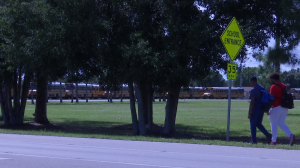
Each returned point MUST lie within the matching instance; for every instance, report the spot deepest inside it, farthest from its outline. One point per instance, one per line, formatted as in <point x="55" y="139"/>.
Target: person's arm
<point x="273" y="91"/>
<point x="251" y="107"/>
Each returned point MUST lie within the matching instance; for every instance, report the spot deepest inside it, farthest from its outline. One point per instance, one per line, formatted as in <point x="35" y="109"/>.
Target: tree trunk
<point x="32" y="102"/>
<point x="135" y="124"/>
<point x="72" y="96"/>
<point x="41" y="105"/>
<point x="141" y="111"/>
<point x="276" y="59"/>
<point x="14" y="115"/>
<point x="144" y="99"/>
<point x="110" y="96"/>
<point x="86" y="97"/>
<point x="47" y="94"/>
<point x="121" y="97"/>
<point x="2" y="105"/>
<point x="277" y="66"/>
<point x="20" y="85"/>
<point x="26" y="85"/>
<point x="91" y="91"/>
<point x="153" y="97"/>
<point x="159" y="97"/>
<point x="145" y="106"/>
<point x="2" y="110"/>
<point x="76" y="92"/>
<point x="135" y="88"/>
<point x="192" y="96"/>
<point x="277" y="41"/>
<point x="16" y="95"/>
<point x="149" y="92"/>
<point x="5" y="107"/>
<point x="60" y="92"/>
<point x="13" y="110"/>
<point x="241" y="77"/>
<point x="171" y="111"/>
<point x="143" y="91"/>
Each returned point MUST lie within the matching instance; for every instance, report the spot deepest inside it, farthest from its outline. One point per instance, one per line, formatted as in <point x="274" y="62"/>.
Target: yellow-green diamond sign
<point x="232" y="39"/>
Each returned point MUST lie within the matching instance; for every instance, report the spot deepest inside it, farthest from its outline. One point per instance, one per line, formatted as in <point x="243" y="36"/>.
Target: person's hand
<point x="269" y="112"/>
<point x="250" y="115"/>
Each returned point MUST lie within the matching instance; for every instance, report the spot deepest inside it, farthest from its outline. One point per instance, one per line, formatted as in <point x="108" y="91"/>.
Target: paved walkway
<point x="26" y="151"/>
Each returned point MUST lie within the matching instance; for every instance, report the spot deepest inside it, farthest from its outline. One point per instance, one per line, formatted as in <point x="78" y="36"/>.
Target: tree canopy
<point x="151" y="45"/>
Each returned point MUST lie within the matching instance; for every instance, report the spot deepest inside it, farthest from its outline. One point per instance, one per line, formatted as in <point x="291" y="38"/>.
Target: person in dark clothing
<point x="255" y="112"/>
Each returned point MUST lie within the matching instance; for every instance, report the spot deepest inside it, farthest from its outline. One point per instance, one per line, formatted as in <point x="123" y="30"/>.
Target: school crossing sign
<point x="232" y="39"/>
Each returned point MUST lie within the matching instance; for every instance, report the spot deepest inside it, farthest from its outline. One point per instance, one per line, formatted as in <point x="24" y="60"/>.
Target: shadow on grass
<point x="124" y="129"/>
<point x="81" y="102"/>
<point x="296" y="115"/>
<point x="211" y="133"/>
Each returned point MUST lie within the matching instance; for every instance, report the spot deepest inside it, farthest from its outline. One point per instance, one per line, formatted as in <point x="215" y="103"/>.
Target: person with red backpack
<point x="279" y="111"/>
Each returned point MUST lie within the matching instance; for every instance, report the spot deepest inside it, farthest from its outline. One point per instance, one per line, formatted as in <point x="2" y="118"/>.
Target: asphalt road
<point x="26" y="151"/>
<point x="118" y="100"/>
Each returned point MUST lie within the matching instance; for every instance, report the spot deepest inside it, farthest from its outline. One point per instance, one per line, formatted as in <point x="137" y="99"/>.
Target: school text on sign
<point x="232" y="39"/>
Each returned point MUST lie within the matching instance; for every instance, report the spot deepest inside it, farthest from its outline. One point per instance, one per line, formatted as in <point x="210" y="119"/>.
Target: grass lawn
<point x="200" y="122"/>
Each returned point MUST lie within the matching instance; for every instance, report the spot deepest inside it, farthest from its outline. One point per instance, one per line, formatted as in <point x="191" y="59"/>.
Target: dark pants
<point x="256" y="121"/>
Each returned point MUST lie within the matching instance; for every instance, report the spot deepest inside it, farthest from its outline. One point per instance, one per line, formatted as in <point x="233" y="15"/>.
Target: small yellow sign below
<point x="231" y="71"/>
<point x="232" y="39"/>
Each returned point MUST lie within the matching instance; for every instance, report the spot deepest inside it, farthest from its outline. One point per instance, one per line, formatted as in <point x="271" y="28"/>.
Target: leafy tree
<point x="192" y="51"/>
<point x="284" y="28"/>
<point x="260" y="21"/>
<point x="253" y="17"/>
<point x="81" y="24"/>
<point x="116" y="62"/>
<point x="33" y="34"/>
<point x="147" y="50"/>
<point x="214" y="79"/>
<point x="16" y="56"/>
<point x="247" y="73"/>
<point x="291" y="78"/>
<point x="48" y="48"/>
<point x="142" y="59"/>
<point x="286" y="25"/>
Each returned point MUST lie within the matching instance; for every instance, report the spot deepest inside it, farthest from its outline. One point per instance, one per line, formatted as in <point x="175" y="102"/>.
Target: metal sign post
<point x="229" y="108"/>
<point x="231" y="75"/>
<point x="233" y="41"/>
